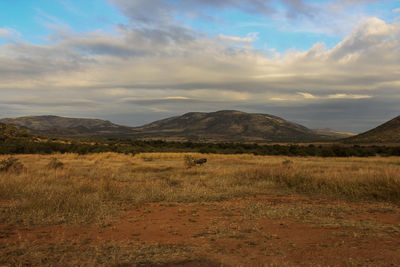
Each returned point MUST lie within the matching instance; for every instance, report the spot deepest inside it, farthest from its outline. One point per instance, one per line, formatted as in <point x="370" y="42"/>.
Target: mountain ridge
<point x="228" y="125"/>
<point x="67" y="127"/>
<point x="219" y="126"/>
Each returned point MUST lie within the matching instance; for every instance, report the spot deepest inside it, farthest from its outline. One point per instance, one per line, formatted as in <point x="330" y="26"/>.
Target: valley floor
<point x="236" y="210"/>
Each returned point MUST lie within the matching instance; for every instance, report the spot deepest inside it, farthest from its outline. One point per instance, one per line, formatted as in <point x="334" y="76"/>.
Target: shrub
<point x="55" y="164"/>
<point x="189" y="161"/>
<point x="11" y="165"/>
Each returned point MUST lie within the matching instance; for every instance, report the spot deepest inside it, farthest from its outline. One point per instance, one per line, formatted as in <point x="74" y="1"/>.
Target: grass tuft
<point x="55" y="164"/>
<point x="11" y="165"/>
<point x="189" y="161"/>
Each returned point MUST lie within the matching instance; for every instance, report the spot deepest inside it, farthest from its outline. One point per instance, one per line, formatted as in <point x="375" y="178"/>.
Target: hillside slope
<point x="388" y="132"/>
<point x="70" y="127"/>
<point x="228" y="125"/>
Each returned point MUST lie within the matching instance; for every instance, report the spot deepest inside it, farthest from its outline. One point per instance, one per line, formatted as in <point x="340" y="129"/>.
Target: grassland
<point x="151" y="209"/>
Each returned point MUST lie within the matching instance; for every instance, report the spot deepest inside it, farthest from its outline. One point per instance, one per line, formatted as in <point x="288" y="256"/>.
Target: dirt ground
<point x="252" y="231"/>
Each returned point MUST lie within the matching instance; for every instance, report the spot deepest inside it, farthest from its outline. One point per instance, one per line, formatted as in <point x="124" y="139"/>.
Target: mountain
<point x="228" y="125"/>
<point x="68" y="127"/>
<point x="388" y="133"/>
<point x="220" y="126"/>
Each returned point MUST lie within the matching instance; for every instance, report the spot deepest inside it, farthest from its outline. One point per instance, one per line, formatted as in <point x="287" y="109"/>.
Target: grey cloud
<point x="134" y="42"/>
<point x="51" y="102"/>
<point x="159" y="36"/>
<point x="253" y="6"/>
<point x="24" y="60"/>
<point x="145" y="11"/>
<point x="345" y="115"/>
<point x="369" y="35"/>
<point x="102" y="46"/>
<point x="330" y="16"/>
<point x="163" y="11"/>
<point x="298" y="8"/>
<point x="356" y="2"/>
<point x="161" y="101"/>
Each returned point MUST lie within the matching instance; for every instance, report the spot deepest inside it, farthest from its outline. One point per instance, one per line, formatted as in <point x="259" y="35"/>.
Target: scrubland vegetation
<point x="127" y="146"/>
<point x="96" y="189"/>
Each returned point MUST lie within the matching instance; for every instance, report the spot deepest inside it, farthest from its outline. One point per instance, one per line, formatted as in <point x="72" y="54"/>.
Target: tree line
<point x="28" y="145"/>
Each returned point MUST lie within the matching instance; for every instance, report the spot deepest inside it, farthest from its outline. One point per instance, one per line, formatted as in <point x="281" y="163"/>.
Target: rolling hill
<point x="220" y="126"/>
<point x="68" y="127"/>
<point x="228" y="125"/>
<point x="387" y="133"/>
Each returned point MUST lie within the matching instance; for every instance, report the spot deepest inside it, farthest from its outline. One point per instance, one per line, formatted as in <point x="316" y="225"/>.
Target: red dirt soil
<point x="222" y="233"/>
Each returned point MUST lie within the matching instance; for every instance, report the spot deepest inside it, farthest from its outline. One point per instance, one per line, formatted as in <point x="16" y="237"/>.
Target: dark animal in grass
<point x="200" y="161"/>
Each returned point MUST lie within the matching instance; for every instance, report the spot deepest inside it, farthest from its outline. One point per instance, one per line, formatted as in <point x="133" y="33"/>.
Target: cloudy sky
<point x="328" y="63"/>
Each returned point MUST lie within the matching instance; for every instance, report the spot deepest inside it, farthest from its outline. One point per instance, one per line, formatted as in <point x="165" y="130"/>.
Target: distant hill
<point x="15" y="141"/>
<point x="68" y="127"/>
<point x="228" y="125"/>
<point x="220" y="126"/>
<point x="329" y="133"/>
<point x="388" y="133"/>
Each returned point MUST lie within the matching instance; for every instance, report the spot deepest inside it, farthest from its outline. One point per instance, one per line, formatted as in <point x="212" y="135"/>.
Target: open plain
<point x="155" y="209"/>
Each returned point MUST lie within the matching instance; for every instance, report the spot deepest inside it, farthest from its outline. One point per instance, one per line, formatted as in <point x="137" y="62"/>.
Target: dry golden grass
<point x="93" y="188"/>
<point x="83" y="191"/>
<point x="110" y="254"/>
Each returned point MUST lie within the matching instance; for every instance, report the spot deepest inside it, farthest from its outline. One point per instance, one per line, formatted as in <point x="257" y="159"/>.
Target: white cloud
<point x="4" y="32"/>
<point x="396" y="10"/>
<point x="177" y="98"/>
<point x="307" y="95"/>
<point x="9" y="33"/>
<point x="236" y="39"/>
<point x="348" y="96"/>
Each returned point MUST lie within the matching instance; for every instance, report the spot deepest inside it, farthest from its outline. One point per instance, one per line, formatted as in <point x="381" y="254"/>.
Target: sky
<point x="323" y="64"/>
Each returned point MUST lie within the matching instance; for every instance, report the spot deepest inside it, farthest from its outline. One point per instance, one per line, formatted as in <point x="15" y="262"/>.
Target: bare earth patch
<point x="211" y="234"/>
